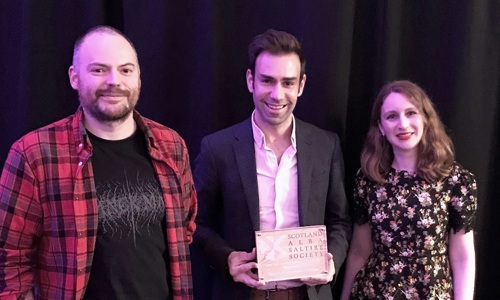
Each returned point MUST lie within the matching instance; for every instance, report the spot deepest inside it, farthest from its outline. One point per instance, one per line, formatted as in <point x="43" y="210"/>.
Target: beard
<point x="103" y="113"/>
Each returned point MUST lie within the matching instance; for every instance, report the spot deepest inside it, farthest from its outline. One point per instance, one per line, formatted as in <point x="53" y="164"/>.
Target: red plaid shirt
<point x="48" y="210"/>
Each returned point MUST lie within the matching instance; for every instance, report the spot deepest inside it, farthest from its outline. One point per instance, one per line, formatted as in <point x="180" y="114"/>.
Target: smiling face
<point x="275" y="86"/>
<point x="107" y="77"/>
<point x="402" y="124"/>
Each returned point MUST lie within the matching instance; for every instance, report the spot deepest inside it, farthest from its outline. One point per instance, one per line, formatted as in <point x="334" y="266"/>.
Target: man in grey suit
<point x="269" y="172"/>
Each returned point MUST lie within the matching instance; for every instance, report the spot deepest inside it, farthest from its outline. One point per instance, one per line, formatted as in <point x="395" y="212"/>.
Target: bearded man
<point x="101" y="204"/>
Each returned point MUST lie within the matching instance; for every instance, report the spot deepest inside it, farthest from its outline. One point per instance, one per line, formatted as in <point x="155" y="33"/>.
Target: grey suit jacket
<point x="228" y="214"/>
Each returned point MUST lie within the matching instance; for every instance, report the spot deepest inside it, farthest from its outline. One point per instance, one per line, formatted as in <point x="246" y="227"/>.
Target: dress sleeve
<point x="360" y="204"/>
<point x="463" y="203"/>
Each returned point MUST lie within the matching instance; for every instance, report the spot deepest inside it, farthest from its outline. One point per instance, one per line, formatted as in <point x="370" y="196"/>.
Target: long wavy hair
<point x="436" y="153"/>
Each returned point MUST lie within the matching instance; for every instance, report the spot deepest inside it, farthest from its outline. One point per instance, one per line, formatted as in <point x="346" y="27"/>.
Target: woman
<point x="414" y="206"/>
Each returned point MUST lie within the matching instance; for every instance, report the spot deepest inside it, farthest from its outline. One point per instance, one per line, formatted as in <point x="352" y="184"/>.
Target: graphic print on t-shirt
<point x="129" y="208"/>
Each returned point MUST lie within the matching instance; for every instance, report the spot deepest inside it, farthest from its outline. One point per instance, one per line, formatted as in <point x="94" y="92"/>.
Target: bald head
<point x="98" y="30"/>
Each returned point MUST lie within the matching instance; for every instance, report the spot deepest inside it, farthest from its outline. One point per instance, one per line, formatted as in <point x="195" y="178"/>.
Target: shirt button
<point x="80" y="271"/>
<point x="80" y="145"/>
<point x="80" y="234"/>
<point x="80" y="164"/>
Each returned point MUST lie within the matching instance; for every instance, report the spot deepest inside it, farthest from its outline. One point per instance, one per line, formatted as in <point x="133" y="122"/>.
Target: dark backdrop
<point x="193" y="61"/>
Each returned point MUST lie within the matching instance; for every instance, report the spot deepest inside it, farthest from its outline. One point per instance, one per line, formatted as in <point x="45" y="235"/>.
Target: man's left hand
<point x="322" y="279"/>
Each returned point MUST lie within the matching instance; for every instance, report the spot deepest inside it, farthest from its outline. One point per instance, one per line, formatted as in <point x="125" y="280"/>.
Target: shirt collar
<point x="81" y="137"/>
<point x="259" y="137"/>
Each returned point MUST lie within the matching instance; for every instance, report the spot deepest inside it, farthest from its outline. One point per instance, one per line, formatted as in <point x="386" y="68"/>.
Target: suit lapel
<point x="245" y="159"/>
<point x="304" y="167"/>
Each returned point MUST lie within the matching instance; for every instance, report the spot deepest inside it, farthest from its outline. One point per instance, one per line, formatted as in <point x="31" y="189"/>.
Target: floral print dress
<point x="410" y="221"/>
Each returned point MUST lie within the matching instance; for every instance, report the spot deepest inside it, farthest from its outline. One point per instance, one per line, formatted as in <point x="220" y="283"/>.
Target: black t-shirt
<point x="130" y="258"/>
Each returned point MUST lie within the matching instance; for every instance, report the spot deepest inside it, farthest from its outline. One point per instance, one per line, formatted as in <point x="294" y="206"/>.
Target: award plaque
<point x="291" y="253"/>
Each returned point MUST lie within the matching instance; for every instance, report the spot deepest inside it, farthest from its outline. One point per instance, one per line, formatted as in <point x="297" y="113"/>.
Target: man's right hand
<point x="240" y="267"/>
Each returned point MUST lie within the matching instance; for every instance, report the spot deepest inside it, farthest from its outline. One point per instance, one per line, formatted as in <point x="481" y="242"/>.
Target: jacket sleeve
<point x="20" y="215"/>
<point x="207" y="239"/>
<point x="337" y="219"/>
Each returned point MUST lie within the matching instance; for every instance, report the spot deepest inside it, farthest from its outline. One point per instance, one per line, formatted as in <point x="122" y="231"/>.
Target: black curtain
<point x="193" y="60"/>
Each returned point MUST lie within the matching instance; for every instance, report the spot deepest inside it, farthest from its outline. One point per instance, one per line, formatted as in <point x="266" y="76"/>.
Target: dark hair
<point x="435" y="150"/>
<point x="97" y="29"/>
<point x="275" y="42"/>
